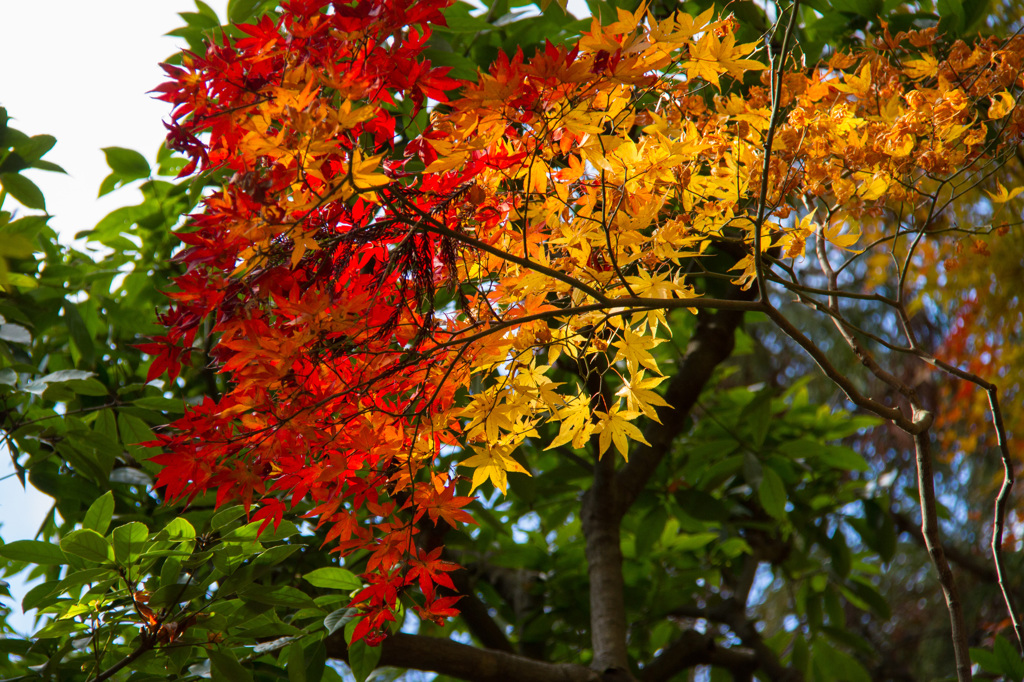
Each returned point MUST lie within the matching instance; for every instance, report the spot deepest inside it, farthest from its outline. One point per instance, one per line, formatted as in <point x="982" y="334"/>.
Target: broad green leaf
<point x="757" y="416"/>
<point x="128" y="541"/>
<point x="100" y="512"/>
<point x="772" y="494"/>
<point x="87" y="544"/>
<point x="178" y="529"/>
<point x="80" y="335"/>
<point x="951" y="15"/>
<point x="296" y="663"/>
<point x="59" y="628"/>
<point x="127" y="163"/>
<point x="362" y="659"/>
<point x="133" y="430"/>
<point x="687" y="542"/>
<point x="41" y="596"/>
<point x="1010" y="663"/>
<point x="161" y="404"/>
<point x="33" y="552"/>
<point x="289" y="597"/>
<point x="839" y="457"/>
<point x="226" y="516"/>
<point x="333" y="578"/>
<point x="35" y="147"/>
<point x="242" y="11"/>
<point x="226" y="667"/>
<point x="834" y="664"/>
<point x="23" y="190"/>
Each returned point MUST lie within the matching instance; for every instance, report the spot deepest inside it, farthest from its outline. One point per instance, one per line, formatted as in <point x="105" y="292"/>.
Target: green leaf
<point x="35" y="147"/>
<point x="33" y="552"/>
<point x="80" y="335"/>
<point x="336" y="620"/>
<point x="772" y="494"/>
<point x="837" y="665"/>
<point x="127" y="163"/>
<point x="207" y="10"/>
<point x="951" y="15"/>
<point x="333" y="578"/>
<point x="87" y="544"/>
<point x="161" y="404"/>
<point x="129" y="541"/>
<point x="839" y="553"/>
<point x="757" y="415"/>
<point x="1010" y="663"/>
<point x="226" y="516"/>
<point x="839" y="457"/>
<point x="362" y="659"/>
<point x="225" y="666"/>
<point x="100" y="512"/>
<point x="988" y="661"/>
<point x="242" y="11"/>
<point x="296" y="663"/>
<point x="59" y="628"/>
<point x="23" y="190"/>
<point x="285" y="596"/>
<point x="178" y="529"/>
<point x="687" y="542"/>
<point x="133" y="430"/>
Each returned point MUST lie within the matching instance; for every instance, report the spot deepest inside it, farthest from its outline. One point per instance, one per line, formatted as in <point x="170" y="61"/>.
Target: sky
<point x="80" y="71"/>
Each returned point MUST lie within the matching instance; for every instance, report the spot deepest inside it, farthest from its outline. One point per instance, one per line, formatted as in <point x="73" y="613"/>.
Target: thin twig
<point x="930" y="533"/>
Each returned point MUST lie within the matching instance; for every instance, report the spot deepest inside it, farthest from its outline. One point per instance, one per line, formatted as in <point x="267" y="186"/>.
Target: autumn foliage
<point x="397" y="258"/>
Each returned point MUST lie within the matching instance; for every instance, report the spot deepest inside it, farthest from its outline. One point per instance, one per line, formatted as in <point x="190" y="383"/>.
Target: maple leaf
<point x="639" y="396"/>
<point x="925" y="67"/>
<point x="1002" y="104"/>
<point x="833" y="234"/>
<point x="613" y="427"/>
<point x="577" y="424"/>
<point x="855" y="84"/>
<point x="493" y="462"/>
<point x="1002" y="195"/>
<point x="443" y="504"/>
<point x="634" y="349"/>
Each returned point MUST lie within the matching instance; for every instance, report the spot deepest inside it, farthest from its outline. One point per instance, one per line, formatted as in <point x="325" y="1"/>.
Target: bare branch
<point x="465" y="662"/>
<point x="930" y="533"/>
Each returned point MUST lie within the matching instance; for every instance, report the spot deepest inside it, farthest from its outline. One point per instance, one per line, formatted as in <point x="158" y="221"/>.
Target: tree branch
<point x="930" y="533"/>
<point x="475" y="614"/>
<point x="601" y="529"/>
<point x="694" y="648"/>
<point x="465" y="662"/>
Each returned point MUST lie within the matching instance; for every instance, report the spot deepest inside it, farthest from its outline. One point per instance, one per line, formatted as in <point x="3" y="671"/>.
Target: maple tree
<point x="411" y="282"/>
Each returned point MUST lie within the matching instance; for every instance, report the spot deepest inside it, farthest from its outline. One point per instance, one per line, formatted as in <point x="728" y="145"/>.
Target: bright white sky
<point x="80" y="71"/>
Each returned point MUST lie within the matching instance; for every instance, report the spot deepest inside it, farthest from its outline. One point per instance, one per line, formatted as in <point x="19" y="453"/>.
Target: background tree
<point x="740" y="536"/>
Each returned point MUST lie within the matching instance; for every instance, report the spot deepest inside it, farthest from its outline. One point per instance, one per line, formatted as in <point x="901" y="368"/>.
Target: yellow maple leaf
<point x="303" y="243"/>
<point x="855" y="85"/>
<point x="1002" y="104"/>
<point x="613" y="427"/>
<point x="633" y="348"/>
<point x="833" y="234"/>
<point x="576" y="423"/>
<point x="493" y="462"/>
<point x="1001" y="195"/>
<point x="925" y="67"/>
<point x="639" y="396"/>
